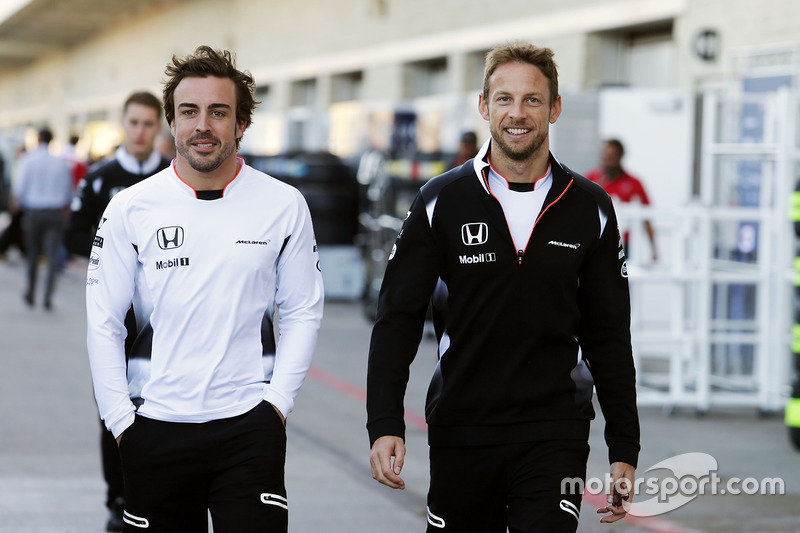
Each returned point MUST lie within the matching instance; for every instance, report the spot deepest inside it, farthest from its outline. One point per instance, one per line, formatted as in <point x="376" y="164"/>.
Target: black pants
<point x="12" y="235"/>
<point x="175" y="473"/>
<point x="43" y="229"/>
<point x="112" y="469"/>
<point x="514" y="486"/>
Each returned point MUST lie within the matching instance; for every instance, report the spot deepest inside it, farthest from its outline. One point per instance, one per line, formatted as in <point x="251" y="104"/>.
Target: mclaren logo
<point x="474" y="233"/>
<point x="170" y="237"/>
<point x="571" y="508"/>
<point x="565" y="245"/>
<point x="261" y="243"/>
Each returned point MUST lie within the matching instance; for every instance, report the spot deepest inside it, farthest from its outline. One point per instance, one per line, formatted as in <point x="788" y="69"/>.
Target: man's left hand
<point x="621" y="492"/>
<point x="283" y="418"/>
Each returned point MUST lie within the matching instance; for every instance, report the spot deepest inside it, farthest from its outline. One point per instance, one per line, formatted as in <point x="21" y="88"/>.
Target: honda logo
<point x="474" y="233"/>
<point x="170" y="237"/>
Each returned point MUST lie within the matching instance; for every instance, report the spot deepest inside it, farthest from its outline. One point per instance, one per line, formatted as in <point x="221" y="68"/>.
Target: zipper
<point x="485" y="176"/>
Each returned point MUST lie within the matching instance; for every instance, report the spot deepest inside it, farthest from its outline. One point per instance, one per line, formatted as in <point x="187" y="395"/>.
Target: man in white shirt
<point x="204" y="250"/>
<point x="42" y="190"/>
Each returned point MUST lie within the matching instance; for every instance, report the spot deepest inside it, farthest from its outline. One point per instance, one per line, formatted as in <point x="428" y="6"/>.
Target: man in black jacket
<point x="523" y="261"/>
<point x="134" y="161"/>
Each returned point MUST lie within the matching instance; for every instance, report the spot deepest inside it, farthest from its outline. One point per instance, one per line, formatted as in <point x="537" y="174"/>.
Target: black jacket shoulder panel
<point x="434" y="186"/>
<point x="586" y="184"/>
<point x="582" y="183"/>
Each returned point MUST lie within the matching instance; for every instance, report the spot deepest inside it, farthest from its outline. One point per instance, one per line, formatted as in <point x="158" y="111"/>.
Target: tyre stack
<point x="328" y="185"/>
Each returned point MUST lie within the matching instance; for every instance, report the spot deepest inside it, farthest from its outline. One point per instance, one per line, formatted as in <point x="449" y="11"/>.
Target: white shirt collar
<point x="132" y="165"/>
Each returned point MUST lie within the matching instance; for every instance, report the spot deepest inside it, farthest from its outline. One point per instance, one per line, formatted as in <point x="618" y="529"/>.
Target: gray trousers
<point x="43" y="228"/>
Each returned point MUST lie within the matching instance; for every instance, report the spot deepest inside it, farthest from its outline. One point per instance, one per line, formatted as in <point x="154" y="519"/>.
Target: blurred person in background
<point x="12" y="234"/>
<point x="3" y="185"/>
<point x="42" y="190"/>
<point x="467" y="149"/>
<point x="622" y="186"/>
<point x="135" y="160"/>
<point x="523" y="261"/>
<point x="78" y="165"/>
<point x="203" y="250"/>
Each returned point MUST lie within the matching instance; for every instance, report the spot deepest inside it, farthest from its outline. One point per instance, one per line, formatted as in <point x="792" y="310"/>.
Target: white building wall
<point x="740" y="24"/>
<point x="281" y="42"/>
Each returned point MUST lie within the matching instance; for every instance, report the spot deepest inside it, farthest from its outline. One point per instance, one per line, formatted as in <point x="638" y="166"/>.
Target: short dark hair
<point x="522" y="53"/>
<point x="45" y="136"/>
<point x="469" y="137"/>
<point x="207" y="62"/>
<point x="143" y="98"/>
<point x="616" y="143"/>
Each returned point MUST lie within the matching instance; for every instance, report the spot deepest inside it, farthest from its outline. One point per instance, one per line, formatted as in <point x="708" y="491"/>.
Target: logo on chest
<point x="474" y="233"/>
<point x="560" y="244"/>
<point x="471" y="259"/>
<point x="169" y="237"/>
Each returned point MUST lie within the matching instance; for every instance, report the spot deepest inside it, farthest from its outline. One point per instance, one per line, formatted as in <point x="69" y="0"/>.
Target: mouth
<point x="203" y="145"/>
<point x="517" y="131"/>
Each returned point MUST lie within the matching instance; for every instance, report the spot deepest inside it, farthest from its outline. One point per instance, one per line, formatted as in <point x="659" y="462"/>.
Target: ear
<point x="172" y="129"/>
<point x="483" y="107"/>
<point x="555" y="110"/>
<point x="240" y="127"/>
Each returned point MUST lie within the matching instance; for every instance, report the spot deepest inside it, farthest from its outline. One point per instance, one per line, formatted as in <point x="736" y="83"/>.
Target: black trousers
<point x="514" y="486"/>
<point x="12" y="235"/>
<point x="112" y="469"/>
<point x="43" y="228"/>
<point x="175" y="473"/>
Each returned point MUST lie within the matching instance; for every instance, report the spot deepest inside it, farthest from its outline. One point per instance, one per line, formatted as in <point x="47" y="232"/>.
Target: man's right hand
<point x="384" y="468"/>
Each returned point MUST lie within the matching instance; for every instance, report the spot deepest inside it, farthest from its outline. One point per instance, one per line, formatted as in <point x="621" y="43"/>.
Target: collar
<point x="560" y="177"/>
<point x="132" y="165"/>
<point x="536" y="184"/>
<point x="225" y="190"/>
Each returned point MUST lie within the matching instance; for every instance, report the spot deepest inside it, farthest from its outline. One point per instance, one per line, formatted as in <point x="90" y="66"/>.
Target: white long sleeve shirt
<point x="201" y="274"/>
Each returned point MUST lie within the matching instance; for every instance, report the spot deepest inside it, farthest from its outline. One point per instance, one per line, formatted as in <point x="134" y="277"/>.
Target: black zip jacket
<point x="96" y="190"/>
<point x="522" y="336"/>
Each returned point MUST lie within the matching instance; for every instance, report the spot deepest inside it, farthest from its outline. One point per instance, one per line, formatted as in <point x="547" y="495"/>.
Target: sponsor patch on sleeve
<point x="98" y="241"/>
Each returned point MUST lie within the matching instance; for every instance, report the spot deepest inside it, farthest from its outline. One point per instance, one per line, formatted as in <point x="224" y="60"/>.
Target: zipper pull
<point x="519" y="256"/>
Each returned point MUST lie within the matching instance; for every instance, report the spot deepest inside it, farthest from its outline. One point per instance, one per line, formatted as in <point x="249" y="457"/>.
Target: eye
<point x="503" y="99"/>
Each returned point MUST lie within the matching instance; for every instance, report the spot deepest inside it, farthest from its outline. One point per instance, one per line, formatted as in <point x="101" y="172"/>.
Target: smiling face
<point x="519" y="111"/>
<point x="205" y="130"/>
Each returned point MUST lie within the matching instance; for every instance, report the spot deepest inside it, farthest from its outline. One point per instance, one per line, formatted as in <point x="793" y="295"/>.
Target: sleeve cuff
<point x="623" y="452"/>
<point x="119" y="427"/>
<point x="384" y="427"/>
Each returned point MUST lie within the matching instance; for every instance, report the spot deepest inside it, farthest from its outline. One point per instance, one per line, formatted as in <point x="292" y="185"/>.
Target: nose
<point x="516" y="109"/>
<point x="202" y="122"/>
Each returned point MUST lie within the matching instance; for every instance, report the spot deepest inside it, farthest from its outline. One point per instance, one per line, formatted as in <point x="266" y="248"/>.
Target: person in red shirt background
<point x="621" y="186"/>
